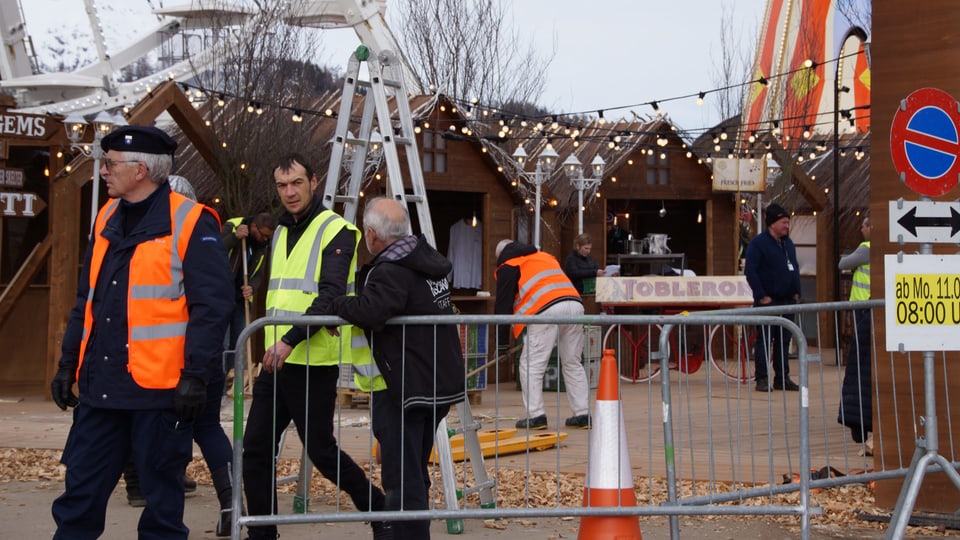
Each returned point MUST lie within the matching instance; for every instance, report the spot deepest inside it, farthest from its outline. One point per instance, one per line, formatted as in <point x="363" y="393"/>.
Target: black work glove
<point x="189" y="397"/>
<point x="61" y="388"/>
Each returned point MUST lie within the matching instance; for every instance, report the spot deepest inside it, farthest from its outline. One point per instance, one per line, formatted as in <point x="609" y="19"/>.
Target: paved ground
<point x="34" y="423"/>
<point x="25" y="513"/>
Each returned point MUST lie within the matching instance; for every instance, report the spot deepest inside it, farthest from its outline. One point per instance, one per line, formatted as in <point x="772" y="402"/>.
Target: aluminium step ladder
<point x="386" y="80"/>
<point x="483" y="484"/>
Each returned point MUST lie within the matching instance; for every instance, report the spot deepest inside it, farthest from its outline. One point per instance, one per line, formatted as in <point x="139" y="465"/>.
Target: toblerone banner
<point x="674" y="291"/>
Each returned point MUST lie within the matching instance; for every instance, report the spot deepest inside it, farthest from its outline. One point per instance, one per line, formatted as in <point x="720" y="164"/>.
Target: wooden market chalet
<point x="652" y="183"/>
<point x="470" y="176"/>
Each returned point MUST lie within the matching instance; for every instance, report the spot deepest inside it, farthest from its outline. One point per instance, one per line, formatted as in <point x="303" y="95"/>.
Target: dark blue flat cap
<point x="146" y="139"/>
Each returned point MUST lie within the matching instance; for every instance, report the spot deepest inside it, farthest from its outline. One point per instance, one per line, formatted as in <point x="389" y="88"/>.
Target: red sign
<point x="925" y="141"/>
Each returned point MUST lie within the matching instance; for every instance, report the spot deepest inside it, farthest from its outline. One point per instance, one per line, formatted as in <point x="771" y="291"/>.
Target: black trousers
<point x="208" y="434"/>
<point x="98" y="447"/>
<point x="856" y="405"/>
<point x="778" y="340"/>
<point x="406" y="439"/>
<point x="279" y="398"/>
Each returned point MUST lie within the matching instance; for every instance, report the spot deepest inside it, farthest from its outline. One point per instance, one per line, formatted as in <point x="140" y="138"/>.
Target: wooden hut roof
<point x="583" y="138"/>
<point x="852" y="160"/>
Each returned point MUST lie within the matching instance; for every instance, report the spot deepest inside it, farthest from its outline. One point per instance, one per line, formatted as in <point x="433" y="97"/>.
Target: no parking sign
<point x="925" y="141"/>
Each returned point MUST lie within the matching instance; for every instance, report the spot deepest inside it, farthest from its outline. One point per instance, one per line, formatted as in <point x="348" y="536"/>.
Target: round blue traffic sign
<point x="925" y="141"/>
<point x="930" y="160"/>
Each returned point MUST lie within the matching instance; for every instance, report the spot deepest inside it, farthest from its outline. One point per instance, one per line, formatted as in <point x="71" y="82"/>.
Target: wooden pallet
<point x="352" y="398"/>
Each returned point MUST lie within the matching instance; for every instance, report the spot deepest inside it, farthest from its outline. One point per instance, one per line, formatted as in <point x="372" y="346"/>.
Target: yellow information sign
<point x="922" y="302"/>
<point x="927" y="299"/>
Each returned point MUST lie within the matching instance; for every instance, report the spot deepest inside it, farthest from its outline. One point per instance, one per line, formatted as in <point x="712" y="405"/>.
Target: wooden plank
<point x="912" y="49"/>
<point x="23" y="276"/>
<point x="511" y="445"/>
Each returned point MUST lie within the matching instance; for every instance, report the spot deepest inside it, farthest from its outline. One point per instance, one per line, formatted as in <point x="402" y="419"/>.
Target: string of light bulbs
<point x="298" y="112"/>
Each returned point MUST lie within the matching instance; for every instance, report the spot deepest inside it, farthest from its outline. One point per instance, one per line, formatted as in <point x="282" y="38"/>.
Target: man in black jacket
<point x="773" y="273"/>
<point x="422" y="365"/>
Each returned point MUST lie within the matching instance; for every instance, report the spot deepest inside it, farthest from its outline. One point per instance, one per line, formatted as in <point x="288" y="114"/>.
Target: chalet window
<point x="434" y="152"/>
<point x="658" y="169"/>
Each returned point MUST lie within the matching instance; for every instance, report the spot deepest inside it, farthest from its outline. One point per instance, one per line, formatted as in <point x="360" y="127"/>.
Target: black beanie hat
<point x="775" y="213"/>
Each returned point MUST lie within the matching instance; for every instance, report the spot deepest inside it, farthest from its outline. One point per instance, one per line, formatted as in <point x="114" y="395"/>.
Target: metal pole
<point x="95" y="194"/>
<point x="836" y="177"/>
<point x="537" y="180"/>
<point x="759" y="213"/>
<point x="580" y="183"/>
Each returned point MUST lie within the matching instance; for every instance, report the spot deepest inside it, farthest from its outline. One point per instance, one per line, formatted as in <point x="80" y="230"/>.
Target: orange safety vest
<point x="156" y="305"/>
<point x="541" y="283"/>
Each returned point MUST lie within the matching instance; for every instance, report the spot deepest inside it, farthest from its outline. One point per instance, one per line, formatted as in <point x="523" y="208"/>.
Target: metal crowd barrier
<point x="720" y="447"/>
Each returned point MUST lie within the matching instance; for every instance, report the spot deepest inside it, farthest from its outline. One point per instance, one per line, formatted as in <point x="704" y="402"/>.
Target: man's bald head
<point x="384" y="222"/>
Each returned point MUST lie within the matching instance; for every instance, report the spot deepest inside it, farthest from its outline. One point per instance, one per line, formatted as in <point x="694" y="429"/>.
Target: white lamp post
<point x="546" y="162"/>
<point x="574" y="171"/>
<point x="103" y="123"/>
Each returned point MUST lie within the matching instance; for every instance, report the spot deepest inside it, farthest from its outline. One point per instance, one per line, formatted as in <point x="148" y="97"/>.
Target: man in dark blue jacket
<point x="422" y="365"/>
<point x="773" y="273"/>
<point x="142" y="340"/>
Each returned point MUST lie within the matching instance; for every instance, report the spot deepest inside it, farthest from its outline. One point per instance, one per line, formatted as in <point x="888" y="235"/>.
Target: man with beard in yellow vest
<point x="254" y="234"/>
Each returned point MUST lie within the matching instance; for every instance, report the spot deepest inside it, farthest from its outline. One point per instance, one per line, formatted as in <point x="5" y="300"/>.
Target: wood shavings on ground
<point x="517" y="489"/>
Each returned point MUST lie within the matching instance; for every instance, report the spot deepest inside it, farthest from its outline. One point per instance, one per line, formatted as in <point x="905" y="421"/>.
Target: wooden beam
<point x="23" y="276"/>
<point x="64" y="211"/>
<point x="827" y="273"/>
<point x="168" y="97"/>
<point x="798" y="177"/>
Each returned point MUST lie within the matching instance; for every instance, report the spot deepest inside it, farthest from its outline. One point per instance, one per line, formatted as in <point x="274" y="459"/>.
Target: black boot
<point x="132" y="479"/>
<point x="382" y="530"/>
<point x="223" y="484"/>
<point x="189" y="484"/>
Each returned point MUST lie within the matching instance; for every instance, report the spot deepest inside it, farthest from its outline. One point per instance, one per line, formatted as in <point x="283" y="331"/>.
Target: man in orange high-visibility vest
<point x="531" y="282"/>
<point x="142" y="340"/>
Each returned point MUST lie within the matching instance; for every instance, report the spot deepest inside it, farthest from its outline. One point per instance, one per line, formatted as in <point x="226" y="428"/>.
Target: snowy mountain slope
<point x="61" y="30"/>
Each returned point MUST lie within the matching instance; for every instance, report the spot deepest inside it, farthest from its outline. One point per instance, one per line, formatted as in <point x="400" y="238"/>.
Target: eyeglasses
<point x="259" y="234"/>
<point x="111" y="163"/>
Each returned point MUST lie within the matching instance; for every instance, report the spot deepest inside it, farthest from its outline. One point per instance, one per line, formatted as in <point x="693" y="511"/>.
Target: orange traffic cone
<point x="609" y="476"/>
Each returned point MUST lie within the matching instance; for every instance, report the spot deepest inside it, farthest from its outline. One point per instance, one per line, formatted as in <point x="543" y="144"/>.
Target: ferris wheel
<point x="103" y="85"/>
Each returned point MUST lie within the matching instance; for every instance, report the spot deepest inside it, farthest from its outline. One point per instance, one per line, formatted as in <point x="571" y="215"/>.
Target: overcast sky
<point x="609" y="53"/>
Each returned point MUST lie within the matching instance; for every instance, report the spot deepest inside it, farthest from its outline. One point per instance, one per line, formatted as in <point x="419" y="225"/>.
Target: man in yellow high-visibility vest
<point x="312" y="261"/>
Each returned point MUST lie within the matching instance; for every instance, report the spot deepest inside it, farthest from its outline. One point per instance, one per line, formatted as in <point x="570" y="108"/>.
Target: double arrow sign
<point x="924" y="221"/>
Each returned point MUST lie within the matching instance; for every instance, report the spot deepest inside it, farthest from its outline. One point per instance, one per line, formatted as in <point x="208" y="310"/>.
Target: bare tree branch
<point x="733" y="66"/>
<point x="857" y="12"/>
<point x="264" y="63"/>
<point x="466" y="49"/>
